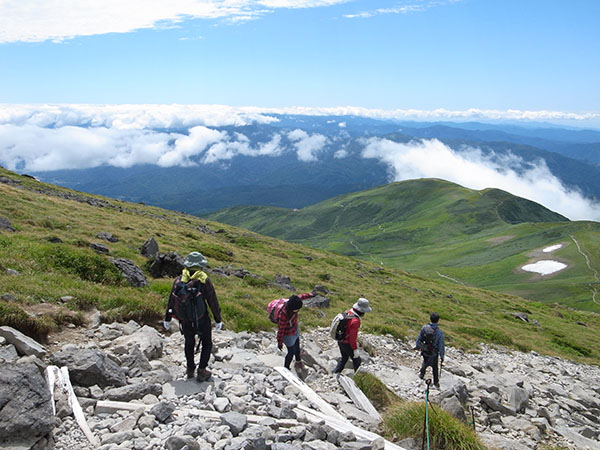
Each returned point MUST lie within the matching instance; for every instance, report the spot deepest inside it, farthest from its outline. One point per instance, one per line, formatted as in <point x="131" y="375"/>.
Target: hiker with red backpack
<point x="285" y="313"/>
<point x="431" y="343"/>
<point x="348" y="342"/>
<point x="190" y="294"/>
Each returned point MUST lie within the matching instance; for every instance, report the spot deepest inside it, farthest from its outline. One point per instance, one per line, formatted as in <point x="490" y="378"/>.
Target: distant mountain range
<point x="440" y="229"/>
<point x="318" y="157"/>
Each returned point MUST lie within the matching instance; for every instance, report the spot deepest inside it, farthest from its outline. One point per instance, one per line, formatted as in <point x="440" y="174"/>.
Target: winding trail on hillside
<point x="587" y="261"/>
<point x="450" y="278"/>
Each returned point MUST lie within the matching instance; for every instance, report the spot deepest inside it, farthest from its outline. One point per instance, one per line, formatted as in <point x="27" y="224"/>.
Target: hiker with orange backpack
<point x="190" y="294"/>
<point x="285" y="312"/>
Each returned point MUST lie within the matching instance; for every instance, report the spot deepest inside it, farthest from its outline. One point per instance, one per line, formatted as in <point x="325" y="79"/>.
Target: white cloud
<point x="307" y="146"/>
<point x="408" y="7"/>
<point x="57" y="20"/>
<point x="32" y="148"/>
<point x="473" y="169"/>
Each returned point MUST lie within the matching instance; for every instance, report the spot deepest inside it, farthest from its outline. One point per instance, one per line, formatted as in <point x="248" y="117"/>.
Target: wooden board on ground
<point x="358" y="396"/>
<point x="309" y="393"/>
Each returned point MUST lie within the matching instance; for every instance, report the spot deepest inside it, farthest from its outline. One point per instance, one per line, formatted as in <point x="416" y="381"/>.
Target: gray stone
<point x="89" y="367"/>
<point x="518" y="398"/>
<point x="5" y="225"/>
<point x="181" y="443"/>
<point x="25" y="405"/>
<point x="235" y="421"/>
<point x="162" y="411"/>
<point x="24" y="344"/>
<point x="149" y="341"/>
<point x="8" y="353"/>
<point x="169" y="265"/>
<point x="149" y="248"/>
<point x="132" y="273"/>
<point x="454" y="407"/>
<point x="100" y="248"/>
<point x="107" y="236"/>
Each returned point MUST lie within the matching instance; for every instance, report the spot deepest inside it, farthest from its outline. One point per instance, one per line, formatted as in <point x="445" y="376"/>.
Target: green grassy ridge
<point x="435" y="227"/>
<point x="402" y="301"/>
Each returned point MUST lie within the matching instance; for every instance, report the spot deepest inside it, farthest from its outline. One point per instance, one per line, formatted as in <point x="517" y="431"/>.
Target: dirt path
<point x="595" y="272"/>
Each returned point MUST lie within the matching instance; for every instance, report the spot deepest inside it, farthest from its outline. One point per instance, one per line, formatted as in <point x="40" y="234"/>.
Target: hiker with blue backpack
<point x="284" y="312"/>
<point x="190" y="294"/>
<point x="347" y="329"/>
<point x="431" y="343"/>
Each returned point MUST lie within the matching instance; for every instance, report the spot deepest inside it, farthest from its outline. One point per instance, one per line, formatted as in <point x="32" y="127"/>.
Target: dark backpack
<point x="427" y="338"/>
<point x="337" y="330"/>
<point x="186" y="301"/>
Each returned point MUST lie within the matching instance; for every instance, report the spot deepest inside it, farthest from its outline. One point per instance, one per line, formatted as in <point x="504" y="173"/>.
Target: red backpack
<point x="274" y="307"/>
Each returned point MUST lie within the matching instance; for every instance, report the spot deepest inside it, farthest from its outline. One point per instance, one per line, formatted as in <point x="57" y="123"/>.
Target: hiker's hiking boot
<point x="190" y="373"/>
<point x="437" y="385"/>
<point x="203" y="375"/>
<point x="298" y="365"/>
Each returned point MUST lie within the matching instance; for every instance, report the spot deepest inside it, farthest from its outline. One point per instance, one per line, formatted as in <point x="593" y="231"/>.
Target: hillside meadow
<point x="50" y="251"/>
<point x="444" y="231"/>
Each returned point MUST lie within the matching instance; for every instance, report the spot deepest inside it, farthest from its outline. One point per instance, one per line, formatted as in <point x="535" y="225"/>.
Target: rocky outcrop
<point x="518" y="400"/>
<point x="169" y="265"/>
<point x="149" y="248"/>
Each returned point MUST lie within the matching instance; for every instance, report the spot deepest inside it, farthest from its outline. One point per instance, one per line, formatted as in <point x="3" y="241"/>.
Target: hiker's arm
<point x="418" y="341"/>
<point x="211" y="297"/>
<point x="169" y="306"/>
<point x="305" y="296"/>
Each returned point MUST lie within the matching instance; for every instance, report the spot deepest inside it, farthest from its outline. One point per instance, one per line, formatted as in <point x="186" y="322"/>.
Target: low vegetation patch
<point x="570" y="347"/>
<point x="406" y="419"/>
<point x="377" y="392"/>
<point x="83" y="263"/>
<point x="36" y="328"/>
<point x="487" y="334"/>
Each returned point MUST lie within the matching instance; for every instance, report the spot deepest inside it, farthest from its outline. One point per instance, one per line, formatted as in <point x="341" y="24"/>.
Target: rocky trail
<point x="130" y="382"/>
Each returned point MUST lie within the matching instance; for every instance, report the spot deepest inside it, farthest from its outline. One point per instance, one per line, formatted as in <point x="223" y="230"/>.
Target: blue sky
<point x="533" y="55"/>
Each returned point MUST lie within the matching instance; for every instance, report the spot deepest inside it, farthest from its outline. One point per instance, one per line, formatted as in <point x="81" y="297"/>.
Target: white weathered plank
<point x="358" y="396"/>
<point x="61" y="377"/>
<point x="252" y="418"/>
<point x="309" y="393"/>
<point x="110" y="406"/>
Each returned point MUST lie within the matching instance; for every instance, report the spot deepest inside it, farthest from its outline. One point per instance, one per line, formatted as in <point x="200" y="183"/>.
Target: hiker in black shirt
<point x="199" y="324"/>
<point x="431" y="343"/>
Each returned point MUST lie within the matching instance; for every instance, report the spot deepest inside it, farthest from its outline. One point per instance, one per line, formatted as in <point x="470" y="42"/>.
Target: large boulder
<point x="25" y="406"/>
<point x="169" y="265"/>
<point x="130" y="271"/>
<point x="88" y="367"/>
<point x="24" y="344"/>
<point x="149" y="341"/>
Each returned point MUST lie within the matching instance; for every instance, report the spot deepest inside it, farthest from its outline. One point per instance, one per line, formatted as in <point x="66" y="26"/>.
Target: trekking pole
<point x="473" y="419"/>
<point x="426" y="418"/>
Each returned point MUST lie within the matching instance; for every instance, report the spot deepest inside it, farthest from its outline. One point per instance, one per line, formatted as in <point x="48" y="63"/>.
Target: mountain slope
<point x="441" y="229"/>
<point x="57" y="277"/>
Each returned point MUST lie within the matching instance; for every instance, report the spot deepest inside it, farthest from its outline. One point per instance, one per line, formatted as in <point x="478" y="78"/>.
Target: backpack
<point x="274" y="307"/>
<point x="186" y="301"/>
<point x="427" y="337"/>
<point x="337" y="330"/>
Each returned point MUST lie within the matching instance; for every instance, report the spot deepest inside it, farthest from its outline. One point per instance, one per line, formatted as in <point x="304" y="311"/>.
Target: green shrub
<point x="445" y="431"/>
<point x="86" y="265"/>
<point x="377" y="392"/>
<point x="492" y="336"/>
<point x="570" y="347"/>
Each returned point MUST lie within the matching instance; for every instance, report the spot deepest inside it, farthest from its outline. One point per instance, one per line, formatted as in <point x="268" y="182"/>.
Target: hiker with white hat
<point x="191" y="293"/>
<point x="348" y="343"/>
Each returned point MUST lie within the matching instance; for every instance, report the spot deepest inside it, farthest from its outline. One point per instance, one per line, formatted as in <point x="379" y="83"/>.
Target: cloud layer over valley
<point x="46" y="138"/>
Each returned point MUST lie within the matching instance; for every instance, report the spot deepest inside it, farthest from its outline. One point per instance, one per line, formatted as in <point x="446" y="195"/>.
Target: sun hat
<point x="195" y="259"/>
<point x="362" y="305"/>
